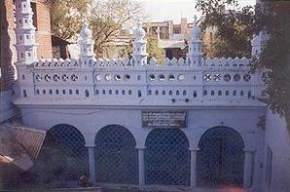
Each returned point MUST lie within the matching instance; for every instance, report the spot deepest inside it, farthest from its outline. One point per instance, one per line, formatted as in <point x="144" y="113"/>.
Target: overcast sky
<point x="160" y="10"/>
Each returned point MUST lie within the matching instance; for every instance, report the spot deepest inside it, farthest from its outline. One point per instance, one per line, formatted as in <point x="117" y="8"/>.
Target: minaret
<point x="86" y="43"/>
<point x="25" y="33"/>
<point x="194" y="55"/>
<point x="258" y="43"/>
<point x="139" y="46"/>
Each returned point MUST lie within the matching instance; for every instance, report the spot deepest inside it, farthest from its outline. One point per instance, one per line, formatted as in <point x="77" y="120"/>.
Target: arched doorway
<point x="116" y="156"/>
<point x="220" y="160"/>
<point x="63" y="157"/>
<point x="167" y="158"/>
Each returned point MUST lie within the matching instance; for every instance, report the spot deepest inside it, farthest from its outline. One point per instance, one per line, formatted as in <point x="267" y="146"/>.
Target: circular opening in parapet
<point x="118" y="77"/>
<point x="181" y="77"/>
<point x="161" y="77"/>
<point x="171" y="77"/>
<point x="152" y="77"/>
<point x="108" y="77"/>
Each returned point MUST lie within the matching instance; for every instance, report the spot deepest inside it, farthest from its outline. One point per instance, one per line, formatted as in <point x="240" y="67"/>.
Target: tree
<point x="109" y="17"/>
<point x="154" y="51"/>
<point x="67" y="17"/>
<point x="275" y="57"/>
<point x="233" y="29"/>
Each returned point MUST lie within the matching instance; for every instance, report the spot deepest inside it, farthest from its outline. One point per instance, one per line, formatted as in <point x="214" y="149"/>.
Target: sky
<point x="160" y="10"/>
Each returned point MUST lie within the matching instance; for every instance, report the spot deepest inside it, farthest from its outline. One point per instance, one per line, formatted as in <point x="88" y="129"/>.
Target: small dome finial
<point x="195" y="19"/>
<point x="139" y="31"/>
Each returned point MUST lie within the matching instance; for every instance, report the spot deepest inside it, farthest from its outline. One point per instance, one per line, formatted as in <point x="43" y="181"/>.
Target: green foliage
<point x="67" y="16"/>
<point x="276" y="56"/>
<point x="233" y="29"/>
<point x="154" y="51"/>
<point x="108" y="18"/>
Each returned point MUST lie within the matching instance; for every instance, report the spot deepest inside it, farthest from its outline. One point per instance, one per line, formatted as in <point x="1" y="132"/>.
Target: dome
<point x="86" y="32"/>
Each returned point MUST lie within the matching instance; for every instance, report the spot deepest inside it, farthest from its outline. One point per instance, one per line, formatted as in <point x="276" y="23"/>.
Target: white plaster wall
<point x="90" y="120"/>
<point x="277" y="138"/>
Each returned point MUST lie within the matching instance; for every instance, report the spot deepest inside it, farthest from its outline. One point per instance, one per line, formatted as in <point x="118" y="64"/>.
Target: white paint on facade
<point x="90" y="94"/>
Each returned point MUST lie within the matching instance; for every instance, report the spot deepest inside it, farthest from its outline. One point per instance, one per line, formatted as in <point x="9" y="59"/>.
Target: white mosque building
<point x="191" y="123"/>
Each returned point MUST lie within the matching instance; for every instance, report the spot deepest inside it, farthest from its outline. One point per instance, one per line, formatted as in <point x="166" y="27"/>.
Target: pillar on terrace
<point x="193" y="161"/>
<point x="92" y="163"/>
<point x="248" y="168"/>
<point x="139" y="46"/>
<point x="141" y="165"/>
<point x="86" y="43"/>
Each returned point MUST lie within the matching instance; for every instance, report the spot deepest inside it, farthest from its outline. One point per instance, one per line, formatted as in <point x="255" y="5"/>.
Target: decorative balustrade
<point x="175" y="82"/>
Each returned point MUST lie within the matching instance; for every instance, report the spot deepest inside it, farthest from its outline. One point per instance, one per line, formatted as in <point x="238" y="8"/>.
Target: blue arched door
<point x="167" y="158"/>
<point x="63" y="157"/>
<point x="220" y="160"/>
<point x="116" y="156"/>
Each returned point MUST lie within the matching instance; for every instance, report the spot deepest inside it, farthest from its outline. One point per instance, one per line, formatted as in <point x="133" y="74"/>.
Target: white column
<point x="193" y="156"/>
<point x="141" y="166"/>
<point x="248" y="168"/>
<point x="92" y="167"/>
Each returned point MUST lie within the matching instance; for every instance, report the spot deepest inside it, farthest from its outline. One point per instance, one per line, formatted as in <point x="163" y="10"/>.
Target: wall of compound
<point x="277" y="157"/>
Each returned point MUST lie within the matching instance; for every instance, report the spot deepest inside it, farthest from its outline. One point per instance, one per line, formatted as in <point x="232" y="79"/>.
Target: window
<point x="87" y="93"/>
<point x="24" y="93"/>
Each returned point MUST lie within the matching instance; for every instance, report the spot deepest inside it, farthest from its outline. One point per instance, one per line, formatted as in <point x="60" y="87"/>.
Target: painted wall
<point x="278" y="141"/>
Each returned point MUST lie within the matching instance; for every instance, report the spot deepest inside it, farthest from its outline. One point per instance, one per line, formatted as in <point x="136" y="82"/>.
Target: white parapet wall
<point x="224" y="81"/>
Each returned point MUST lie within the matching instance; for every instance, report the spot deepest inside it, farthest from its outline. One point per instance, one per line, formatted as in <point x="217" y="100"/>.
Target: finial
<point x="195" y="19"/>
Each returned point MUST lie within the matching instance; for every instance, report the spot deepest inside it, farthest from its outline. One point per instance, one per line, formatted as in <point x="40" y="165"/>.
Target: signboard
<point x="167" y="119"/>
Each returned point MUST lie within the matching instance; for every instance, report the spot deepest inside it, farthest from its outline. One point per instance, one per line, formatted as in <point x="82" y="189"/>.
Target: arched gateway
<point x="63" y="157"/>
<point x="116" y="156"/>
<point x="220" y="160"/>
<point x="167" y="158"/>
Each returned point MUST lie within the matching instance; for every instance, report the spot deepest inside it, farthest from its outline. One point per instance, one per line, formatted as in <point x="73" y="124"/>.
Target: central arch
<point x="167" y="158"/>
<point x="116" y="156"/>
<point x="220" y="160"/>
